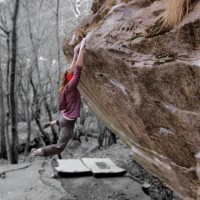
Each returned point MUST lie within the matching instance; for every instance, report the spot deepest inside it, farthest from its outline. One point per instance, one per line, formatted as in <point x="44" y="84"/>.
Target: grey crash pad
<point x="102" y="166"/>
<point x="97" y="166"/>
<point x="71" y="166"/>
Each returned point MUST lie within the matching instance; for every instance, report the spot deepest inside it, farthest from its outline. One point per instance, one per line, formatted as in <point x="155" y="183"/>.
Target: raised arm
<point x="79" y="61"/>
<point x="77" y="70"/>
<point x="73" y="64"/>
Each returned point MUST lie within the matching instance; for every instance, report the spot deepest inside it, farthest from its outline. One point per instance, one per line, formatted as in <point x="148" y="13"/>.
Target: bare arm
<point x="75" y="80"/>
<point x="73" y="64"/>
<point x="79" y="61"/>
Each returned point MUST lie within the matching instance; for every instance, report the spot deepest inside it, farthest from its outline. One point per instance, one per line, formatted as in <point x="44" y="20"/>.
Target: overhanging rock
<point x="142" y="80"/>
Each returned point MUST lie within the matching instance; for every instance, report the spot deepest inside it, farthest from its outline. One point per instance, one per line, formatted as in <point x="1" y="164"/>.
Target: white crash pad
<point x="71" y="166"/>
<point x="102" y="166"/>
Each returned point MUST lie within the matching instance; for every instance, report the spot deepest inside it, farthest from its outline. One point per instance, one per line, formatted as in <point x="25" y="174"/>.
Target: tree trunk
<point x="28" y="120"/>
<point x="112" y="138"/>
<point x="36" y="114"/>
<point x="28" y="117"/>
<point x="14" y="151"/>
<point x="106" y="137"/>
<point x="8" y="92"/>
<point x="45" y="135"/>
<point x="7" y="33"/>
<point x="55" y="137"/>
<point x="101" y="130"/>
<point x="3" y="150"/>
<point x="24" y="91"/>
<point x="22" y="108"/>
<point x="58" y="41"/>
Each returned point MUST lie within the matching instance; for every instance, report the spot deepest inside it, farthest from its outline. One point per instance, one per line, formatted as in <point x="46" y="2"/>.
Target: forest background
<point x="31" y="64"/>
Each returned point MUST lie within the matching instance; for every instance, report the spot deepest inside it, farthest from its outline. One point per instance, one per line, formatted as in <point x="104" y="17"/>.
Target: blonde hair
<point x="63" y="81"/>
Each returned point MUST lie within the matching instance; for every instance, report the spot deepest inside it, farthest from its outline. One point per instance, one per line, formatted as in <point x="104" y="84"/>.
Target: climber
<point x="69" y="105"/>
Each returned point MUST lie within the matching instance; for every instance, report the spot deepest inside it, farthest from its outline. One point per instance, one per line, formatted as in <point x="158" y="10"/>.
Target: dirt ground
<point x="27" y="181"/>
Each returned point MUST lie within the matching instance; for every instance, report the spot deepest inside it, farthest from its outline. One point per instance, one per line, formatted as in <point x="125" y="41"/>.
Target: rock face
<point x="142" y="80"/>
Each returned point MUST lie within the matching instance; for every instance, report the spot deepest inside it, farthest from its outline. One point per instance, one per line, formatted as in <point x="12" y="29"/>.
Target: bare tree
<point x="24" y="89"/>
<point x="14" y="131"/>
<point x="48" y="109"/>
<point x="38" y="94"/>
<point x="6" y="30"/>
<point x="58" y="41"/>
<point x="106" y="137"/>
<point x="36" y="113"/>
<point x="3" y="150"/>
<point x="28" y="116"/>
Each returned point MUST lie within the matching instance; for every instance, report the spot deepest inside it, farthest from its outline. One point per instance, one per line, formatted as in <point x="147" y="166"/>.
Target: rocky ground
<point x="32" y="181"/>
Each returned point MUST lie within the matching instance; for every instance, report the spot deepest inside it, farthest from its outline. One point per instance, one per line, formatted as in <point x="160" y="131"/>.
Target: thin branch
<point x="46" y="7"/>
<point x="4" y="30"/>
<point x="75" y="9"/>
<point x="41" y="4"/>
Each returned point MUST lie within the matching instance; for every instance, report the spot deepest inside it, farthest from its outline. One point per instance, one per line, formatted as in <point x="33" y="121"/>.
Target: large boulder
<point x="142" y="80"/>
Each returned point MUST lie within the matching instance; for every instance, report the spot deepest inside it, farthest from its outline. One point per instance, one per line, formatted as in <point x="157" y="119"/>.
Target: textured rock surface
<point x="143" y="82"/>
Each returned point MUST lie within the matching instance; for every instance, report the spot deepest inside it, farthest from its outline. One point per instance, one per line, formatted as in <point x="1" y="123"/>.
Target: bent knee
<point x="60" y="147"/>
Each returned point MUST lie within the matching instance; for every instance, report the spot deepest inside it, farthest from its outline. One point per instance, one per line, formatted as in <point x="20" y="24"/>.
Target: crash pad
<point x="102" y="166"/>
<point x="71" y="166"/>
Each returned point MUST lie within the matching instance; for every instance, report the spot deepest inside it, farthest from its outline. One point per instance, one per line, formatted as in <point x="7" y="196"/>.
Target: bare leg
<point x="37" y="152"/>
<point x="52" y="123"/>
